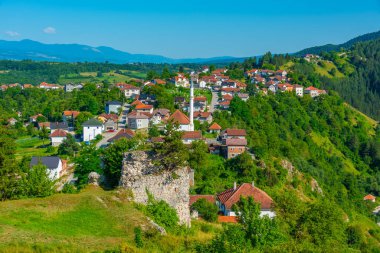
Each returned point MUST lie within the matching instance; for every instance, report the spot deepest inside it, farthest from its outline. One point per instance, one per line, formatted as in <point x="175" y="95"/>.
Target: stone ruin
<point x="140" y="174"/>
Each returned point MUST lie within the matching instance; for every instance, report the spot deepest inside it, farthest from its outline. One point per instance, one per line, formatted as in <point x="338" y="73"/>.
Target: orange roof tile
<point x="215" y="126"/>
<point x="58" y="133"/>
<point x="227" y="219"/>
<point x="369" y="197"/>
<point x="179" y="117"/>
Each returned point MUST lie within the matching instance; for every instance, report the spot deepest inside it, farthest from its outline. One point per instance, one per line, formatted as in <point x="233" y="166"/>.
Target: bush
<point x="138" y="237"/>
<point x="69" y="188"/>
<point x="163" y="214"/>
<point x="208" y="211"/>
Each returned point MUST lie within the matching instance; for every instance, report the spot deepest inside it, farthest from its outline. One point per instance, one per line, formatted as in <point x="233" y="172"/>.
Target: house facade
<point x="138" y="120"/>
<point x="57" y="137"/>
<point x="113" y="107"/>
<point x="53" y="164"/>
<point x="92" y="128"/>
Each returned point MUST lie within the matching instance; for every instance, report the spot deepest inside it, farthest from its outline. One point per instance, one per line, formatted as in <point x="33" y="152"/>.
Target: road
<point x="214" y="101"/>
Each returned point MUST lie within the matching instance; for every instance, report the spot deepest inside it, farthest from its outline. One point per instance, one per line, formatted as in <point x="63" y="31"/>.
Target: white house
<point x="228" y="198"/>
<point x="57" y="137"/>
<point x="183" y="121"/>
<point x="314" y="92"/>
<point x="138" y="120"/>
<point x="53" y="163"/>
<point x="189" y="137"/>
<point x="298" y="89"/>
<point x="113" y="107"/>
<point x="92" y="128"/>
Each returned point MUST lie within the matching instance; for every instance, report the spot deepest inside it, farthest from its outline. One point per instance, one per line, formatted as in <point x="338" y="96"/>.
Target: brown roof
<point x="227" y="219"/>
<point x="58" y="133"/>
<point x="215" y="126"/>
<point x="231" y="196"/>
<point x="192" y="135"/>
<point x="112" y="116"/>
<point x="123" y="133"/>
<point x="235" y="132"/>
<point x="74" y="114"/>
<point x="201" y="99"/>
<point x="143" y="107"/>
<point x="209" y="198"/>
<point x="202" y="114"/>
<point x="235" y="142"/>
<point x="139" y="115"/>
<point x="227" y="97"/>
<point x="44" y="124"/>
<point x="179" y="117"/>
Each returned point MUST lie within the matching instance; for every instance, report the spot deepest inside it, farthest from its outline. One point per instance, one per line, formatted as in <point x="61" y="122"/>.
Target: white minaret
<point x="191" y="127"/>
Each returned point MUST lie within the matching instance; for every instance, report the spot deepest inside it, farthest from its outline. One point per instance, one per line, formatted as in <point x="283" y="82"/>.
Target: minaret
<point x="191" y="127"/>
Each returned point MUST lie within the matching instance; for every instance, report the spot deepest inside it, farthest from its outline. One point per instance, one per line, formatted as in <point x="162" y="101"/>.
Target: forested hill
<point x="346" y="45"/>
<point x="361" y="88"/>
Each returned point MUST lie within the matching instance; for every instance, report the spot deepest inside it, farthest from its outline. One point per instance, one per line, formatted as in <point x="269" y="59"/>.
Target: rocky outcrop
<point x="140" y="174"/>
<point x="94" y="178"/>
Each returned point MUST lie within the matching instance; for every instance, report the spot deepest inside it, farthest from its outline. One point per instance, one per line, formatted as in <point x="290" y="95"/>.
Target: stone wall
<point x="140" y="174"/>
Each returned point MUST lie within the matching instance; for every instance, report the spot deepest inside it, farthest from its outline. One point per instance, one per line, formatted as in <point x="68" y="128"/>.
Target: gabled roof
<point x="235" y="132"/>
<point x="58" y="133"/>
<point x="192" y="135"/>
<point x="369" y="197"/>
<point x="73" y="114"/>
<point x="215" y="126"/>
<point x="161" y="111"/>
<point x="51" y="162"/>
<point x="92" y="122"/>
<point x="201" y="114"/>
<point x="138" y="115"/>
<point x="137" y="102"/>
<point x="227" y="219"/>
<point x="227" y="97"/>
<point x="235" y="142"/>
<point x="59" y="125"/>
<point x="231" y="196"/>
<point x="123" y="133"/>
<point x="200" y="99"/>
<point x="143" y="107"/>
<point x="179" y="117"/>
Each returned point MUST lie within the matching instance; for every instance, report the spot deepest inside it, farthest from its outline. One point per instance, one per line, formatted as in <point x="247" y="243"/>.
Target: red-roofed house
<point x="180" y="118"/>
<point x="233" y="133"/>
<point x="203" y="116"/>
<point x="57" y="137"/>
<point x="227" y="219"/>
<point x="314" y="92"/>
<point x="370" y="197"/>
<point x="123" y="133"/>
<point x="144" y="108"/>
<point x="190" y="136"/>
<point x="138" y="120"/>
<point x="214" y="128"/>
<point x="228" y="198"/>
<point x="129" y="90"/>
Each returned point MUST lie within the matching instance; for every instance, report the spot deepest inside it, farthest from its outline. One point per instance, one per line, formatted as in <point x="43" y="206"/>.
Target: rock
<point x="140" y="175"/>
<point x="158" y="227"/>
<point x="315" y="186"/>
<point x="94" y="178"/>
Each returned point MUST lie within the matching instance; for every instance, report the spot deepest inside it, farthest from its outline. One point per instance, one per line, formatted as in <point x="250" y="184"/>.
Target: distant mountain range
<point x="33" y="50"/>
<point x="346" y="45"/>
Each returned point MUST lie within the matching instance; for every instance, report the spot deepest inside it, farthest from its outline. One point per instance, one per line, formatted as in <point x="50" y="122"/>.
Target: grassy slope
<point x="31" y="146"/>
<point x="112" y="77"/>
<point x="93" y="220"/>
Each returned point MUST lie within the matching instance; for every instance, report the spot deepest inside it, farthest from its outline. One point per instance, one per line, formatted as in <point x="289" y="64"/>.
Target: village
<point x="137" y="113"/>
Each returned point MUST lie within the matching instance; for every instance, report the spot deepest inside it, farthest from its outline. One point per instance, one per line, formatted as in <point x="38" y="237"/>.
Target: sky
<point x="191" y="28"/>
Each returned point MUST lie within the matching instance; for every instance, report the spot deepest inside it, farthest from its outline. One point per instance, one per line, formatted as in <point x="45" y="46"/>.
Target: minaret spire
<point x="191" y="127"/>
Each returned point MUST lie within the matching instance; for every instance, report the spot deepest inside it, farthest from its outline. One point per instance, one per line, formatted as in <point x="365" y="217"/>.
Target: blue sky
<point x="192" y="29"/>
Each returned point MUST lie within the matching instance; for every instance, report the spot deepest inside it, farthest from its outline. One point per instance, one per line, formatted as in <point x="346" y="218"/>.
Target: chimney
<point x="253" y="184"/>
<point x="191" y="128"/>
<point x="234" y="186"/>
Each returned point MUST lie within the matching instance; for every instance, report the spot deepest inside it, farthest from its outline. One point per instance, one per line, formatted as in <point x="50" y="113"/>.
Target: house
<point x="27" y="86"/>
<point x="110" y="125"/>
<point x="181" y="80"/>
<point x="225" y="200"/>
<point x="12" y="121"/>
<point x="160" y="115"/>
<point x="35" y="117"/>
<point x="205" y="69"/>
<point x="180" y="118"/>
<point x="113" y="107"/>
<point x="129" y="90"/>
<point x="370" y="197"/>
<point x="69" y="116"/>
<point x="201" y="99"/>
<point x="272" y="88"/>
<point x="138" y="120"/>
<point x="230" y="91"/>
<point x="233" y="133"/>
<point x="180" y="101"/>
<point x="251" y="72"/>
<point x="232" y="147"/>
<point x="42" y="125"/>
<point x="198" y="106"/>
<point x="48" y="86"/>
<point x="54" y="165"/>
<point x="243" y="96"/>
<point x="281" y="72"/>
<point x="224" y="105"/>
<point x="59" y="125"/>
<point x="70" y="87"/>
<point x="298" y="89"/>
<point x="214" y="128"/>
<point x="314" y="92"/>
<point x="91" y="129"/>
<point x="147" y="98"/>
<point x="123" y="133"/>
<point x="158" y="81"/>
<point x="190" y="136"/>
<point x="144" y="108"/>
<point x="57" y="137"/>
<point x="105" y="117"/>
<point x="285" y="87"/>
<point x="203" y="116"/>
<point x="227" y="97"/>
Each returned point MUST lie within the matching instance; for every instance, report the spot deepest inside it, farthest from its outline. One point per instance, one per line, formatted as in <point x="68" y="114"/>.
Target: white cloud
<point x="12" y="33"/>
<point x="49" y="30"/>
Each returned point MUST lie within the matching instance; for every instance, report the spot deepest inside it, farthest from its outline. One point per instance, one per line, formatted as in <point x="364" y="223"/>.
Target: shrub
<point x="138" y="237"/>
<point x="208" y="211"/>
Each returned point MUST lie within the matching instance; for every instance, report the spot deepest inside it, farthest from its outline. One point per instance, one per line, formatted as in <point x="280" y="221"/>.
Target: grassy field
<point x="324" y="71"/>
<point x="91" y="221"/>
<point x="111" y="77"/>
<point x="31" y="146"/>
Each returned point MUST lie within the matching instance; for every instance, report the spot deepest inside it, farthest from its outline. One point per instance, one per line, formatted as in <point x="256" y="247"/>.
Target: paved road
<point x="214" y="101"/>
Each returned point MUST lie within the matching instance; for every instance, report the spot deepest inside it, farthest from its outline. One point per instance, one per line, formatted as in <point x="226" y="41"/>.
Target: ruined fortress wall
<point x="139" y="174"/>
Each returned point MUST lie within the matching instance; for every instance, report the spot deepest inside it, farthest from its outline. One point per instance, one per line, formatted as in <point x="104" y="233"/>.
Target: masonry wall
<point x="139" y="174"/>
